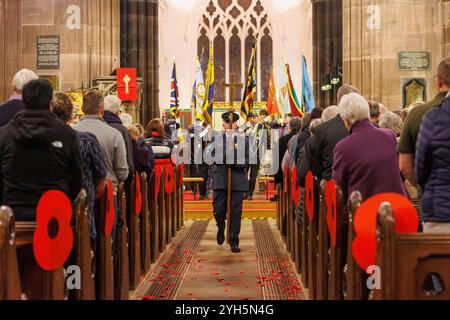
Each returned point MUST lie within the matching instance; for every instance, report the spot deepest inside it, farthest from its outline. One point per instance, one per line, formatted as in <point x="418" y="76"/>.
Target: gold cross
<point x="127" y="80"/>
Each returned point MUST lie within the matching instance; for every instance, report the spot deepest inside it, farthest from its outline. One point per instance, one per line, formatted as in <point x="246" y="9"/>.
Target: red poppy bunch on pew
<point x="54" y="258"/>
<point x="361" y="249"/>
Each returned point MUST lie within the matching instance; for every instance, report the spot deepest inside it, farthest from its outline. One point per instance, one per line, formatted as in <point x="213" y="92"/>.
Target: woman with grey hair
<point x="367" y="160"/>
<point x="392" y="121"/>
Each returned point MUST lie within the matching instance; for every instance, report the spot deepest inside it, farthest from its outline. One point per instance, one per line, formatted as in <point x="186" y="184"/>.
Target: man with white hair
<point x="9" y="109"/>
<point x="366" y="160"/>
<point x="111" y="117"/>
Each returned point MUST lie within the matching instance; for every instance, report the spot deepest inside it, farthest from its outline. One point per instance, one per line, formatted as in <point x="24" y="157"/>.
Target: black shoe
<point x="235" y="248"/>
<point x="250" y="197"/>
<point x="221" y="236"/>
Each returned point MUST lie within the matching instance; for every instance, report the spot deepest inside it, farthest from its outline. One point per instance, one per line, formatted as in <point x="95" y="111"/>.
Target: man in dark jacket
<point x="327" y="136"/>
<point x="15" y="104"/>
<point x="111" y="117"/>
<point x="198" y="166"/>
<point x="38" y="153"/>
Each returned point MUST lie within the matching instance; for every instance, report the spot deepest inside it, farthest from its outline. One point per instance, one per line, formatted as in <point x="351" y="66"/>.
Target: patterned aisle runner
<point x="196" y="268"/>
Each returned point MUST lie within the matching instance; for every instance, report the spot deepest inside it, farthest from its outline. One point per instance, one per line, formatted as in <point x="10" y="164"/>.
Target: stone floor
<point x="213" y="272"/>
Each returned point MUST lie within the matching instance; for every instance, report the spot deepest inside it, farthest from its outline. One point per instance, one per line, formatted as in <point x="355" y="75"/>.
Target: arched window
<point x="232" y="25"/>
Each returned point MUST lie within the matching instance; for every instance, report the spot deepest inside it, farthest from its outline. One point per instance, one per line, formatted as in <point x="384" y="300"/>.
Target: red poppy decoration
<point x="331" y="201"/>
<point x="158" y="174"/>
<point x="309" y="195"/>
<point x="51" y="252"/>
<point x="365" y="223"/>
<point x="110" y="210"/>
<point x="169" y="182"/>
<point x="295" y="189"/>
<point x="138" y="194"/>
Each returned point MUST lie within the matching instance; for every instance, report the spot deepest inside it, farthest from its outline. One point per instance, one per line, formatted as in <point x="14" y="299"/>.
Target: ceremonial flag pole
<point x="250" y="86"/>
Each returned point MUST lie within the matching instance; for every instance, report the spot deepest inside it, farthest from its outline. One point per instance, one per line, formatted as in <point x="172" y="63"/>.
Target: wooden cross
<point x="232" y="86"/>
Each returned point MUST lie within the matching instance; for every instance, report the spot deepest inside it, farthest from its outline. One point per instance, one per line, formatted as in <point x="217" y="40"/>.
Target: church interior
<point x="353" y="212"/>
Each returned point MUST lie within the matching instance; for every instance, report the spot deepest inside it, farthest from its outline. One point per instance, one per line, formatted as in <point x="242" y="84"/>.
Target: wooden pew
<point x="304" y="226"/>
<point x="180" y="221"/>
<point x="354" y="284"/>
<point x="168" y="212"/>
<point x="104" y="276"/>
<point x="409" y="262"/>
<point x="84" y="255"/>
<point x="173" y="225"/>
<point x="36" y="283"/>
<point x="145" y="228"/>
<point x="288" y="216"/>
<point x="322" y="248"/>
<point x="154" y="220"/>
<point x="134" y="238"/>
<point x="311" y="238"/>
<point x="162" y="215"/>
<point x="337" y="253"/>
<point x="278" y="192"/>
<point x="122" y="267"/>
<point x="9" y="270"/>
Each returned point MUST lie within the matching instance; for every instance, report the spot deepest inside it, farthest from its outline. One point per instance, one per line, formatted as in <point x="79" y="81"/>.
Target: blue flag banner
<point x="308" y="103"/>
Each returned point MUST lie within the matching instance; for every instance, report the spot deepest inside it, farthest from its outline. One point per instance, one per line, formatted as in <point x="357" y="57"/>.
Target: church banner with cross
<point x="127" y="84"/>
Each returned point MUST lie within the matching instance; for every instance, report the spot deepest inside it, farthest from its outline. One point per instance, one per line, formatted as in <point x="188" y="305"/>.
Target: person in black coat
<point x="38" y="153"/>
<point x="111" y="117"/>
<point x="238" y="160"/>
<point x="15" y="104"/>
<point x="198" y="166"/>
<point x="294" y="125"/>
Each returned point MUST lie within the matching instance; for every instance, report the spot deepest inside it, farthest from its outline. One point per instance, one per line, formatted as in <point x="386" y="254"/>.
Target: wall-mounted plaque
<point x="48" y="52"/>
<point x="414" y="90"/>
<point x="414" y="60"/>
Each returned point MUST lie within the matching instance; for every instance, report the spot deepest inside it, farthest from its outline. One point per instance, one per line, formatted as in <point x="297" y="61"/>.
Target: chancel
<point x="213" y="150"/>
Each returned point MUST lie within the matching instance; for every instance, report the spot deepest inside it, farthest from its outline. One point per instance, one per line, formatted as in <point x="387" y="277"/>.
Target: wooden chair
<point x="83" y="249"/>
<point x="162" y="215"/>
<point x="337" y="253"/>
<point x="104" y="276"/>
<point x="354" y="282"/>
<point x="154" y="220"/>
<point x="134" y="238"/>
<point x="322" y="248"/>
<point x="145" y="228"/>
<point x="122" y="267"/>
<point x="413" y="266"/>
<point x="9" y="270"/>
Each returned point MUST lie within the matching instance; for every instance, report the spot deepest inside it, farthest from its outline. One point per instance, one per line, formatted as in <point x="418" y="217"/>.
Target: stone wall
<point x="374" y="31"/>
<point x="89" y="39"/>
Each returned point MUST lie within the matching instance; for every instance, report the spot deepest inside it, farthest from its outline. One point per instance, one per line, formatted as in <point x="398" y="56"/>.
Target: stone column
<point x="139" y="49"/>
<point x="375" y="31"/>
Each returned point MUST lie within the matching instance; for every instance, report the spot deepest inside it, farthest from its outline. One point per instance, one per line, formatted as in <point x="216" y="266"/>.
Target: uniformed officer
<point x="233" y="145"/>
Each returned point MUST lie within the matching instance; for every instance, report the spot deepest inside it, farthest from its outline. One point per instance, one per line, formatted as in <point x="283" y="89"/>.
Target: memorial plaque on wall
<point x="48" y="52"/>
<point x="414" y="60"/>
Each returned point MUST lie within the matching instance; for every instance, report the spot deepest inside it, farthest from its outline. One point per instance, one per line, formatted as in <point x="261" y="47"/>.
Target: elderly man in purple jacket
<point x="367" y="160"/>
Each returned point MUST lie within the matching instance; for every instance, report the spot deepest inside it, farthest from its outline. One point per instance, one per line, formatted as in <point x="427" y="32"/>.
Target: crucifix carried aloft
<point x="231" y="87"/>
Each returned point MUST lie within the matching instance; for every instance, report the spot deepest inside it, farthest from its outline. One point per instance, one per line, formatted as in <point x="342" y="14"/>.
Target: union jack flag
<point x="174" y="96"/>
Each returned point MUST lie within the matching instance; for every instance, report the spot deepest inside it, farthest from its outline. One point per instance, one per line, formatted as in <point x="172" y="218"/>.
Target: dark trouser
<point x="220" y="212"/>
<point x="201" y="171"/>
<point x="254" y="170"/>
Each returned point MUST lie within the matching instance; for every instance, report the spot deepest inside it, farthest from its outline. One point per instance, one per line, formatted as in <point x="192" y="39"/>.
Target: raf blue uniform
<point x="239" y="181"/>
